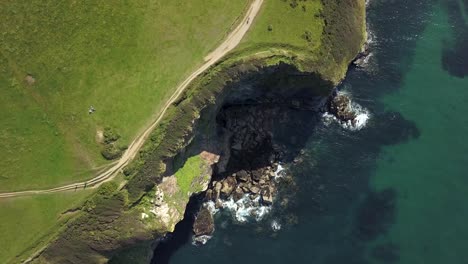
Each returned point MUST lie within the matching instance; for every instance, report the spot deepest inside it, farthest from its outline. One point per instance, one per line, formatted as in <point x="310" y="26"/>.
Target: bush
<point x="111" y="152"/>
<point x="110" y="136"/>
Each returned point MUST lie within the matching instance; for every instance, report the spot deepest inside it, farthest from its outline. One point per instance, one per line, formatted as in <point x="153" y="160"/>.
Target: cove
<point x="393" y="192"/>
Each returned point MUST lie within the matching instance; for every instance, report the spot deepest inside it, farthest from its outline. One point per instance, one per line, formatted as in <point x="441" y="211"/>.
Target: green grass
<point x="123" y="57"/>
<point x="278" y="23"/>
<point x="187" y="174"/>
<point x="28" y="223"/>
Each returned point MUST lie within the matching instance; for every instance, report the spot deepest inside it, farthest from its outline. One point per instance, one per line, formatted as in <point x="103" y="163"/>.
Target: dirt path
<point x="232" y="40"/>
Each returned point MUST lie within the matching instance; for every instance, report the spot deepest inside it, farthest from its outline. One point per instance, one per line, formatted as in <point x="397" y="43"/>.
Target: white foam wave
<point x="246" y="209"/>
<point x="275" y="225"/>
<point x="279" y="173"/>
<point x="210" y="205"/>
<point x="200" y="240"/>
<point x="359" y="122"/>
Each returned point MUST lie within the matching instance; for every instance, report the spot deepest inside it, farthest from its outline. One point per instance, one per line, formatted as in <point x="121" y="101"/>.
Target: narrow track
<point x="232" y="40"/>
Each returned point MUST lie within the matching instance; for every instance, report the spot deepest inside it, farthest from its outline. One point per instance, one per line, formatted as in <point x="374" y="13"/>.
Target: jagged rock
<point x="362" y="56"/>
<point x="340" y="106"/>
<point x="237" y="146"/>
<point x="228" y="186"/>
<point x="209" y="195"/>
<point x="243" y="176"/>
<point x="256" y="175"/>
<point x="204" y="223"/>
<point x="254" y="189"/>
<point x="217" y="186"/>
<point x="238" y="194"/>
<point x="158" y="198"/>
<point x="267" y="196"/>
<point x="271" y="174"/>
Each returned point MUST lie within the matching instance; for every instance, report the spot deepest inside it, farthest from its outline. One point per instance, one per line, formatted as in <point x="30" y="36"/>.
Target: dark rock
<point x="209" y="195"/>
<point x="267" y="196"/>
<point x="256" y="175"/>
<point x="340" y="106"/>
<point x="204" y="223"/>
<point x="243" y="176"/>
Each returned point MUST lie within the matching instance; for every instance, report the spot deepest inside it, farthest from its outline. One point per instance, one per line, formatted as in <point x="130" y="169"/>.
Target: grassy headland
<point x="320" y="38"/>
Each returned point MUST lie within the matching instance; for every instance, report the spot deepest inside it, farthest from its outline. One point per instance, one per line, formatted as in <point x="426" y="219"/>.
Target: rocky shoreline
<point x="247" y="182"/>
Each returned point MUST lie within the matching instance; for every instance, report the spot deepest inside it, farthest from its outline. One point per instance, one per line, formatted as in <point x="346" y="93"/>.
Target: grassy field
<point x="27" y="223"/>
<point x="324" y="34"/>
<point x="122" y="57"/>
<point x="281" y="22"/>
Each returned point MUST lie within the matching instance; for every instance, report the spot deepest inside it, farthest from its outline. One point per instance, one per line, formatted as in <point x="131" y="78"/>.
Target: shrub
<point x="110" y="135"/>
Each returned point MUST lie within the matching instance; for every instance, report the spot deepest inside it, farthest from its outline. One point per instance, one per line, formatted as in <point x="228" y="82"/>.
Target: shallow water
<point x="394" y="191"/>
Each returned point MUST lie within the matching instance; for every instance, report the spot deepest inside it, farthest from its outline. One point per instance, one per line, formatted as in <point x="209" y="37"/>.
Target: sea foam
<point x="246" y="209"/>
<point x="359" y="122"/>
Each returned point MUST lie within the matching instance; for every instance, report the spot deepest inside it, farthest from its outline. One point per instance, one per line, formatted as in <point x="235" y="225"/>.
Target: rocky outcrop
<point x="340" y="106"/>
<point x="204" y="223"/>
<point x="260" y="183"/>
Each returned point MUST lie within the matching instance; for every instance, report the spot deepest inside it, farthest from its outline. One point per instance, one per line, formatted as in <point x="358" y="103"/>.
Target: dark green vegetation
<point x="111" y="148"/>
<point x="112" y="219"/>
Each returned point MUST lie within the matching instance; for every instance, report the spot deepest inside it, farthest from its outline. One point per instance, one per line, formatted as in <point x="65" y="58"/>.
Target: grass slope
<point x="27" y="223"/>
<point x="281" y="22"/>
<point x="122" y="57"/>
<point x="185" y="176"/>
<point x="324" y="34"/>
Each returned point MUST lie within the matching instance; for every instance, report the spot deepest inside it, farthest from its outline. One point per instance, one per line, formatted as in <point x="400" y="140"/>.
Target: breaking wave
<point x="246" y="209"/>
<point x="359" y="122"/>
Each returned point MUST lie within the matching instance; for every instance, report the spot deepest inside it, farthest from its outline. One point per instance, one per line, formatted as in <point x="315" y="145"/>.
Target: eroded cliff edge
<point x="179" y="157"/>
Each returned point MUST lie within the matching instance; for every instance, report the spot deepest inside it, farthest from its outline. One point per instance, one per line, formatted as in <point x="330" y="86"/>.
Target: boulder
<point x="238" y="194"/>
<point x="204" y="223"/>
<point x="217" y="186"/>
<point x="254" y="189"/>
<point x="267" y="196"/>
<point x="243" y="176"/>
<point x="256" y="175"/>
<point x="228" y="186"/>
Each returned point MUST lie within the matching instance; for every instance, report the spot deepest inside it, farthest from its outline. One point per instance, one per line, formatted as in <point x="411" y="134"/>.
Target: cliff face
<point x="276" y="89"/>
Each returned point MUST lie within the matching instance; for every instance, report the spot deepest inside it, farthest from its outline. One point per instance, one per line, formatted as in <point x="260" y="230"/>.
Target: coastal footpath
<point x="270" y="67"/>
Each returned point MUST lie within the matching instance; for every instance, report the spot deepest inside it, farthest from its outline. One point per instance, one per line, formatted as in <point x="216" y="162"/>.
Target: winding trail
<point x="232" y="40"/>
